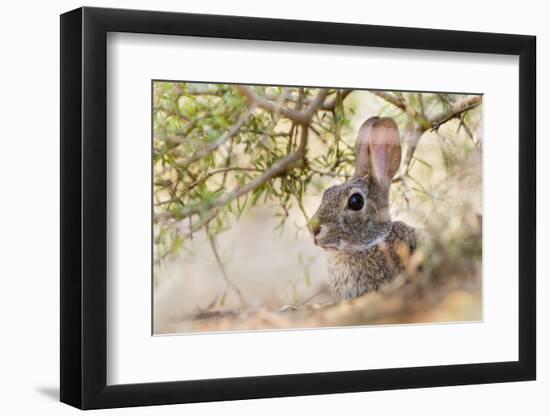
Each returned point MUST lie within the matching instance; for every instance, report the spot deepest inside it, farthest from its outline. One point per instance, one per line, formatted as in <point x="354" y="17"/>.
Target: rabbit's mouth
<point x="325" y="245"/>
<point x="332" y="246"/>
<point x="321" y="237"/>
<point x="318" y="232"/>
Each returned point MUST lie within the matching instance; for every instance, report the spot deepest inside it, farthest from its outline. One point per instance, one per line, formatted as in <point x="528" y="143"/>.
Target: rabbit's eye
<point x="356" y="202"/>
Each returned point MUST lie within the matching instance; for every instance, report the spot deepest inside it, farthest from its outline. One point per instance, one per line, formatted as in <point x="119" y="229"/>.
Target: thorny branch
<point x="300" y="117"/>
<point x="279" y="167"/>
<point x="456" y="110"/>
<point x="228" y="282"/>
<point x="303" y="113"/>
<point x="275" y="170"/>
<point x="211" y="147"/>
<point x="328" y="105"/>
<point x="400" y="102"/>
<point x="424" y="123"/>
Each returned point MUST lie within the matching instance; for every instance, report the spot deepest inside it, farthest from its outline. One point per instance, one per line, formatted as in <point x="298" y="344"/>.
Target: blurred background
<point x="238" y="171"/>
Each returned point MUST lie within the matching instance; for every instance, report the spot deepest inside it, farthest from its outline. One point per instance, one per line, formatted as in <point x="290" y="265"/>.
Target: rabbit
<point x="365" y="248"/>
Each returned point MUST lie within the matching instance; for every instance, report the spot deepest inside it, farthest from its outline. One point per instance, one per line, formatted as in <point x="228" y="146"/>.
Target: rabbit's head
<point x="355" y="215"/>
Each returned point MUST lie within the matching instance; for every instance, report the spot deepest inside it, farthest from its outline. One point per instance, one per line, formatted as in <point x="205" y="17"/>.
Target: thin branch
<point x="278" y="168"/>
<point x="328" y="105"/>
<point x="210" y="174"/>
<point x="173" y="140"/>
<point x="329" y="174"/>
<point x="420" y="98"/>
<point x="301" y="117"/>
<point x="212" y="146"/>
<point x="276" y="115"/>
<point x="413" y="140"/>
<point x="311" y="297"/>
<point x="456" y="110"/>
<point x="186" y="230"/>
<point x="425" y="123"/>
<point x="402" y="104"/>
<point x="468" y="131"/>
<point x="338" y="98"/>
<point x="228" y="282"/>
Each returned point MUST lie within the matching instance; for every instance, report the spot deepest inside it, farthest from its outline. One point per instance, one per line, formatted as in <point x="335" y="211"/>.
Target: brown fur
<point x="365" y="248"/>
<point x="354" y="274"/>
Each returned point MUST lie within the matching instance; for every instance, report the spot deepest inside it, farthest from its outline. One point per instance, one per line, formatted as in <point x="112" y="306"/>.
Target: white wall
<point x="29" y="226"/>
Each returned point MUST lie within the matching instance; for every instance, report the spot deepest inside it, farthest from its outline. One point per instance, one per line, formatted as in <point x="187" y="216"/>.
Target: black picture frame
<point x="84" y="207"/>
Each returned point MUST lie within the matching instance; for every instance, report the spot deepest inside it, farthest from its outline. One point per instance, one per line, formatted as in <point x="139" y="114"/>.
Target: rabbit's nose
<point x="314" y="226"/>
<point x="316" y="230"/>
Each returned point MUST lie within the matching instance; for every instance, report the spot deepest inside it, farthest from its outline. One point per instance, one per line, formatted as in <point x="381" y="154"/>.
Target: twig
<point x="210" y="174"/>
<point x="420" y="99"/>
<point x="456" y="110"/>
<point x="187" y="231"/>
<point x="228" y="282"/>
<point x="327" y="105"/>
<point x="468" y="131"/>
<point x="425" y="123"/>
<point x="329" y="174"/>
<point x="324" y="290"/>
<point x="401" y="103"/>
<point x="301" y="117"/>
<point x="413" y="140"/>
<point x="340" y="97"/>
<point x="276" y="169"/>
<point x="212" y="146"/>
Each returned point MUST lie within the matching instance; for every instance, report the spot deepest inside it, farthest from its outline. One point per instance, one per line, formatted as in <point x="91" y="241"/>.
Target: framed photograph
<point x="257" y="208"/>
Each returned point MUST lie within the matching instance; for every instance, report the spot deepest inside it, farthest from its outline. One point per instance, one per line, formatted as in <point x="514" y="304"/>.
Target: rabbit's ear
<point x="378" y="150"/>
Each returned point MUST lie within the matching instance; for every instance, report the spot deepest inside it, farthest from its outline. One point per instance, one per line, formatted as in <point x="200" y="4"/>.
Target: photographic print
<point x="299" y="207"/>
